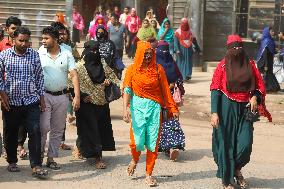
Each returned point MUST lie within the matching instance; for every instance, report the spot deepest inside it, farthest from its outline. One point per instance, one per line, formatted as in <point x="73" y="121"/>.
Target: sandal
<point x="240" y="180"/>
<point x="39" y="172"/>
<point x="131" y="168"/>
<point x="52" y="165"/>
<point x="99" y="164"/>
<point x="174" y="154"/>
<point x="23" y="154"/>
<point x="151" y="181"/>
<point x="12" y="167"/>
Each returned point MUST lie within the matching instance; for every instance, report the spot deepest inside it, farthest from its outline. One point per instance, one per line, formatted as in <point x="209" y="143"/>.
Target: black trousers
<point x="28" y="116"/>
<point x="22" y="135"/>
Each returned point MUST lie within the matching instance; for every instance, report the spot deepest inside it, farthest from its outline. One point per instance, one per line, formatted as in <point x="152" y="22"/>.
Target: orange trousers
<point x="150" y="156"/>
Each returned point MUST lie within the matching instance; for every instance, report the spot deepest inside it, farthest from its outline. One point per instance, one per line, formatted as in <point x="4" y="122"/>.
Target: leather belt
<point x="57" y="93"/>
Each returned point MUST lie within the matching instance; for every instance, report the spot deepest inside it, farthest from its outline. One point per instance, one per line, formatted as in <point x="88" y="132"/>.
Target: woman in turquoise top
<point x="145" y="92"/>
<point x="166" y="33"/>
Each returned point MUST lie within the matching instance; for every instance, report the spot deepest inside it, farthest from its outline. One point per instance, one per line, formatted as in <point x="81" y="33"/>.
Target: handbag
<point x="251" y="116"/>
<point x="164" y="110"/>
<point x="172" y="136"/>
<point x="112" y="92"/>
<point x="177" y="96"/>
<point x="119" y="65"/>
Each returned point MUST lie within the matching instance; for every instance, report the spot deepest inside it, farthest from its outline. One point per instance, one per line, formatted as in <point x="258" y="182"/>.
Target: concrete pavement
<point x="195" y="168"/>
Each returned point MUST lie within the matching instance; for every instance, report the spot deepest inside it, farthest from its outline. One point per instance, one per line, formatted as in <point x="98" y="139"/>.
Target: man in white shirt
<point x="123" y="16"/>
<point x="56" y="63"/>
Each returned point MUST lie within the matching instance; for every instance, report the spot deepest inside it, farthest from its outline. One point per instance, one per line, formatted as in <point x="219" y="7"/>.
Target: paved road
<point x="195" y="169"/>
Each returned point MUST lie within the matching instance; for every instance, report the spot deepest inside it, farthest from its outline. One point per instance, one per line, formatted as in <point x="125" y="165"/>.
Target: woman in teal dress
<point x="236" y="86"/>
<point x="146" y="90"/>
<point x="183" y="47"/>
<point x="166" y="33"/>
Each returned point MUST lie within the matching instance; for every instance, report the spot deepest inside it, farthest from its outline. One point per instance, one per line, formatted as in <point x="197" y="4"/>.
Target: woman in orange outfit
<point x="146" y="91"/>
<point x="59" y="17"/>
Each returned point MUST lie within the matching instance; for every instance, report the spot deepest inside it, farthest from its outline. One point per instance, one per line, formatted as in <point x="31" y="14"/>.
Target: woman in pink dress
<point x="78" y="25"/>
<point x="132" y="24"/>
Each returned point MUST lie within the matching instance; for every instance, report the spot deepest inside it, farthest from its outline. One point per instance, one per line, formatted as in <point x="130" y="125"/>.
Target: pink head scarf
<point x="92" y="30"/>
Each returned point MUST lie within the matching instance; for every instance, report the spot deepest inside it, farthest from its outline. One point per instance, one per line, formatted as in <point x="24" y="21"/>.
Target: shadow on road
<point x="265" y="183"/>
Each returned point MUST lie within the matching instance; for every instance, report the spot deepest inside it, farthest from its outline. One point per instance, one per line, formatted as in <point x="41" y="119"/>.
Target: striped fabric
<point x="21" y="76"/>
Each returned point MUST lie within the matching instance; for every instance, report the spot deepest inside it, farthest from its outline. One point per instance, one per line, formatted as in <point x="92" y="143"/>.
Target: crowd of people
<point x="40" y="89"/>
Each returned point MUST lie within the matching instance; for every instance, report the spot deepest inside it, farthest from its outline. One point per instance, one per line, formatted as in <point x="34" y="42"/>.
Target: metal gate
<point x="219" y="21"/>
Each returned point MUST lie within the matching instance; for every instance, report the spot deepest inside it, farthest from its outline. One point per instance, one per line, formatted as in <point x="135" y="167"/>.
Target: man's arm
<point x="75" y="81"/>
<point x="3" y="96"/>
<point x="39" y="82"/>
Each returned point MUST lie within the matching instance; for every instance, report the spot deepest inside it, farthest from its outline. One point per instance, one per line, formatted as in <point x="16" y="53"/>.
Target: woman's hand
<point x="176" y="115"/>
<point x="76" y="103"/>
<point x="172" y="85"/>
<point x="107" y="82"/>
<point x="253" y="104"/>
<point x="126" y="115"/>
<point x="214" y="120"/>
<point x="87" y="99"/>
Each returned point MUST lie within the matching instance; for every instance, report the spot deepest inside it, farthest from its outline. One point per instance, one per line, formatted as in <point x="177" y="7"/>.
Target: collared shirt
<point x="21" y="76"/>
<point x="63" y="45"/>
<point x="56" y="70"/>
<point x="5" y="44"/>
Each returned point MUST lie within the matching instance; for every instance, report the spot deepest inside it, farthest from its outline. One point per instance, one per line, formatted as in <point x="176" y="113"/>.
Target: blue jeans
<point x="27" y="115"/>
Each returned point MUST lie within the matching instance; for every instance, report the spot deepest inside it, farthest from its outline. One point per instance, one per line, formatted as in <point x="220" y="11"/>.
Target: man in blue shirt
<point x="57" y="63"/>
<point x="22" y="99"/>
<point x="117" y="33"/>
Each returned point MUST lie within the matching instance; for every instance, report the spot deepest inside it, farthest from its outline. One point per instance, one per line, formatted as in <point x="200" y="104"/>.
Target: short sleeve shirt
<point x="56" y="70"/>
<point x="116" y="35"/>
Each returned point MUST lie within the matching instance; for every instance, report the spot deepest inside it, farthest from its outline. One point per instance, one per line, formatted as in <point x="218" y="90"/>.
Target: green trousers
<point x="232" y="140"/>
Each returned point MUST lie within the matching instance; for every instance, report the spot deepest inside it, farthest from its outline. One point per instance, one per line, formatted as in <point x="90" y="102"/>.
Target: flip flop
<point x="174" y="153"/>
<point x="151" y="181"/>
<point x="23" y="154"/>
<point x="131" y="168"/>
<point x="40" y="173"/>
<point x="52" y="165"/>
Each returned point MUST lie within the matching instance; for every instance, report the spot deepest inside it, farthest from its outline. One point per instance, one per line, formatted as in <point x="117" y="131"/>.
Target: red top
<point x="219" y="82"/>
<point x="5" y="44"/>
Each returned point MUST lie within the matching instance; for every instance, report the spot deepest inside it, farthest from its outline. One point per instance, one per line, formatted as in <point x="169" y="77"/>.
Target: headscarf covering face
<point x="93" y="62"/>
<point x="101" y="35"/>
<point x="266" y="42"/>
<point x="100" y="20"/>
<point x="165" y="59"/>
<point x="169" y="37"/>
<point x="183" y="33"/>
<point x="239" y="73"/>
<point x="142" y="46"/>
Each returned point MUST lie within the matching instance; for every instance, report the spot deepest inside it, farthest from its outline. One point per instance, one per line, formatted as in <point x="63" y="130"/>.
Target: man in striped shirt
<point x="22" y="99"/>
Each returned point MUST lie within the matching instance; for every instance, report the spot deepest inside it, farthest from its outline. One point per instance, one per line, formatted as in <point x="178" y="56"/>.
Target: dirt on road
<point x="195" y="168"/>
